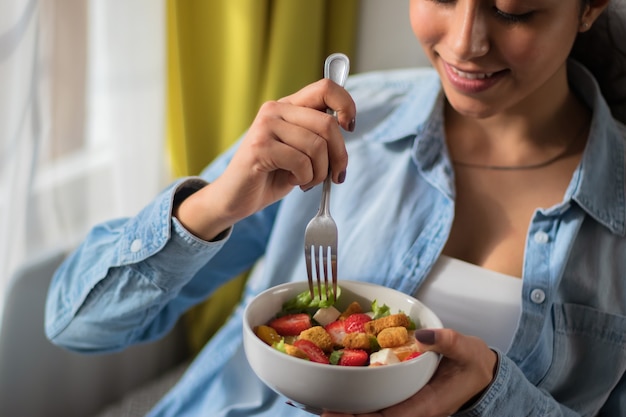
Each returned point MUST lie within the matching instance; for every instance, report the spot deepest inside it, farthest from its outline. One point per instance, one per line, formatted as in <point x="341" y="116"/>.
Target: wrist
<point x="472" y="402"/>
<point x="198" y="213"/>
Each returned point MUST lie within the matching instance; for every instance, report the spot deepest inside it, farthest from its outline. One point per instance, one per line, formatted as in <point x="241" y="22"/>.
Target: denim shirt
<point x="394" y="214"/>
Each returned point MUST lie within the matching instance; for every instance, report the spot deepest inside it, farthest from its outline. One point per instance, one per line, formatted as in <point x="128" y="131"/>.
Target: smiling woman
<point x="501" y="161"/>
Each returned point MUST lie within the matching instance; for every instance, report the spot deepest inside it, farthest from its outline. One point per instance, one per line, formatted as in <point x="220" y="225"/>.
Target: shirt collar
<point x="417" y="91"/>
<point x="598" y="184"/>
<point x="417" y="115"/>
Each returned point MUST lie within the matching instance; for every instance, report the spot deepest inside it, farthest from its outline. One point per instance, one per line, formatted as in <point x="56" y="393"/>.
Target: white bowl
<point x="352" y="390"/>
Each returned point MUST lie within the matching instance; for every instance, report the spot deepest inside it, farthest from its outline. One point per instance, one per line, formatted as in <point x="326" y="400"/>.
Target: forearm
<point x="118" y="287"/>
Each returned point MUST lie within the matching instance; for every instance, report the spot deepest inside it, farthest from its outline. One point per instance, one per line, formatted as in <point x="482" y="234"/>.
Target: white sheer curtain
<point x="82" y="105"/>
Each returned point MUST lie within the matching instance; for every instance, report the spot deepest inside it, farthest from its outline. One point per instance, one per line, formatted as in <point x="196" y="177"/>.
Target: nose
<point x="468" y="32"/>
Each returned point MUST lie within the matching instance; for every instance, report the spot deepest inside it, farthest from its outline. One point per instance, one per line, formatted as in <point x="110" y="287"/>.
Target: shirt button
<point x="537" y="296"/>
<point x="541" y="237"/>
<point x="136" y="245"/>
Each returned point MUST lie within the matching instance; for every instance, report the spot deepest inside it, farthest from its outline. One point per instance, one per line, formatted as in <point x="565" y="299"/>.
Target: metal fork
<point x="320" y="236"/>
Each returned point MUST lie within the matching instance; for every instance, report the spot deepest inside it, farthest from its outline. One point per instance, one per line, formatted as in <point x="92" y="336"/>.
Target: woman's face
<point x="498" y="55"/>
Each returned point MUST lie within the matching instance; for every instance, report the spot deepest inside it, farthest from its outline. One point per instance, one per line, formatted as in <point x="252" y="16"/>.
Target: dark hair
<point x="602" y="49"/>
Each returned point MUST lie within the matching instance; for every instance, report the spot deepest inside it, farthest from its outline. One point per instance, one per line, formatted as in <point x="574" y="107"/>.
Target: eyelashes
<point x="509" y="18"/>
<point x="513" y="18"/>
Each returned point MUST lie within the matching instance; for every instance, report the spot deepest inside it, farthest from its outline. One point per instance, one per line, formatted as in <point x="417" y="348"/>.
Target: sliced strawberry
<point x="313" y="351"/>
<point x="337" y="331"/>
<point x="354" y="357"/>
<point x="291" y="324"/>
<point x="355" y="323"/>
<point x="412" y="356"/>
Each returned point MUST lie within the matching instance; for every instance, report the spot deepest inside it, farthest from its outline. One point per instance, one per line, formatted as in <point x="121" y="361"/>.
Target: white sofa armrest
<point x="38" y="378"/>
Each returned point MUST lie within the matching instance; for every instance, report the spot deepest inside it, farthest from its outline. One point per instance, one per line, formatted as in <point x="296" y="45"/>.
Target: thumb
<point x="436" y="340"/>
<point x="468" y="353"/>
<point x="449" y="343"/>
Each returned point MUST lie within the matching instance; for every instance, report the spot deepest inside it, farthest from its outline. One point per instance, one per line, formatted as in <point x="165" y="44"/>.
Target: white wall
<point x="385" y="39"/>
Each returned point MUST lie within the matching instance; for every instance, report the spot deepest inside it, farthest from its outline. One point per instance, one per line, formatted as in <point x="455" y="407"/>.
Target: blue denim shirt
<point x="132" y="278"/>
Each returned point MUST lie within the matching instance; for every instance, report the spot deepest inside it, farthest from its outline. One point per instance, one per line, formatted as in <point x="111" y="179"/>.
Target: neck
<point x="516" y="140"/>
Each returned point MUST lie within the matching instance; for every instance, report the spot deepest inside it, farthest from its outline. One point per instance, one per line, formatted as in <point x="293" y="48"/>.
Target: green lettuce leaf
<point x="304" y="300"/>
<point x="280" y="346"/>
<point x="380" y="311"/>
<point x="335" y="356"/>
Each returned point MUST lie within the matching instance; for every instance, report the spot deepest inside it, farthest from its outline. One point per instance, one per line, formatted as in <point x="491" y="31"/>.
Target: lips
<point x="471" y="82"/>
<point x="471" y="75"/>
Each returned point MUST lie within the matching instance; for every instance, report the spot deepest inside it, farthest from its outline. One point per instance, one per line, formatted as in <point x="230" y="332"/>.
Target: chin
<point x="472" y="108"/>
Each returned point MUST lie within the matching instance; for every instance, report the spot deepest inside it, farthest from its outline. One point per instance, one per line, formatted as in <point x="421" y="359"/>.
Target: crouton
<point x="407" y="349"/>
<point x="319" y="336"/>
<point x="357" y="341"/>
<point x="294" y="351"/>
<point x="354" y="307"/>
<point x="392" y="337"/>
<point x="395" y="320"/>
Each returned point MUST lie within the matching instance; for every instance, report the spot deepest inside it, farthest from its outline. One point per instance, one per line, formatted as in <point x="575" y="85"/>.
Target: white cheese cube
<point x="384" y="357"/>
<point x="326" y="315"/>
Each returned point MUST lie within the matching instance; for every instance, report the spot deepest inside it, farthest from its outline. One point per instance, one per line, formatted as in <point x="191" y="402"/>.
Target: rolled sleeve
<point x="511" y="394"/>
<point x="138" y="264"/>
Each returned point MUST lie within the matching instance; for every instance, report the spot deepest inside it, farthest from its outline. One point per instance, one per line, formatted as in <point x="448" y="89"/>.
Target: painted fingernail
<point x="352" y="125"/>
<point x="425" y="336"/>
<point x="342" y="177"/>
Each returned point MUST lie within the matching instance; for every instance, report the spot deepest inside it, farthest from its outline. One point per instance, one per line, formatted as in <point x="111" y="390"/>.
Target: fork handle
<point x="325" y="202"/>
<point x="336" y="68"/>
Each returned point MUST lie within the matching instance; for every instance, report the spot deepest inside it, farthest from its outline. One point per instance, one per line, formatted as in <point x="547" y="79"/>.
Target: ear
<point x="591" y="12"/>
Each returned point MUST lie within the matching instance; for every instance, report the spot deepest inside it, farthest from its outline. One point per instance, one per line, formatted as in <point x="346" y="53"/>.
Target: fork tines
<point x="324" y="260"/>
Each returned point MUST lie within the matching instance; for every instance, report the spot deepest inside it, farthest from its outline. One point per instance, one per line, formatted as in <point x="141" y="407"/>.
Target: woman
<point x="502" y="169"/>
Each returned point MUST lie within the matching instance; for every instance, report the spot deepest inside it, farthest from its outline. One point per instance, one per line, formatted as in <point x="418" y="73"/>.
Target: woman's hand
<point x="292" y="142"/>
<point x="466" y="369"/>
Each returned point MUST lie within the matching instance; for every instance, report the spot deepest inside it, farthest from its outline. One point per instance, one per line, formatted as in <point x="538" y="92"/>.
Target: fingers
<point x="291" y="142"/>
<point x="314" y="136"/>
<point x="303" y="159"/>
<point x="462" y="354"/>
<point x="468" y="351"/>
<point x="321" y="140"/>
<point x="466" y="369"/>
<point x="451" y="344"/>
<point x="307" y="109"/>
<point x="326" y="94"/>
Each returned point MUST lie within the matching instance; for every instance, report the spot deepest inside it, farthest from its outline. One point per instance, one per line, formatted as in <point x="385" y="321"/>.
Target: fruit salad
<point x="312" y="328"/>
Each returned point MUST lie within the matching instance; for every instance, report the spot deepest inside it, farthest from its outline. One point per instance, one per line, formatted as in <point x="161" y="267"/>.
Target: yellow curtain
<point x="225" y="58"/>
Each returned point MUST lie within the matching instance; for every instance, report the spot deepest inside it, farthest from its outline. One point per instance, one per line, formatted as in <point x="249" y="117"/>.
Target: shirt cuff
<point x="181" y="254"/>
<point x="477" y="406"/>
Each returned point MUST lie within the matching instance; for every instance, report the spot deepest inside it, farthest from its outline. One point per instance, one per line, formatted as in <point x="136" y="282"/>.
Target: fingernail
<point x="342" y="177"/>
<point x="352" y="125"/>
<point x="426" y="337"/>
<point x="307" y="189"/>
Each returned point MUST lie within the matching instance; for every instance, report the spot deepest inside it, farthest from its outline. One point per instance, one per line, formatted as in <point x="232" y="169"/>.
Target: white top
<point x="474" y="300"/>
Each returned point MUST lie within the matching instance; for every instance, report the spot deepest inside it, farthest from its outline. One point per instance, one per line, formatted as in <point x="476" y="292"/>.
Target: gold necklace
<point x="512" y="167"/>
<point x="538" y="165"/>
